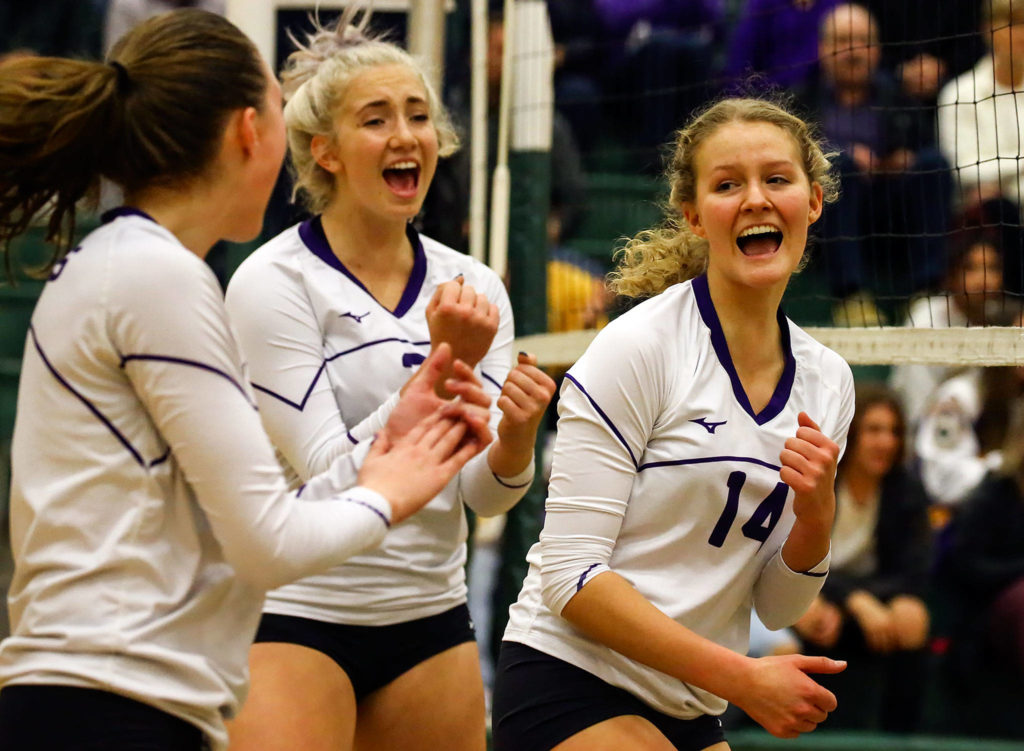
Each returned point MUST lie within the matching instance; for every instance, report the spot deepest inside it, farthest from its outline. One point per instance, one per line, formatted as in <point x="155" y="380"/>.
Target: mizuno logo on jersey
<point x="354" y="317"/>
<point x="708" y="426"/>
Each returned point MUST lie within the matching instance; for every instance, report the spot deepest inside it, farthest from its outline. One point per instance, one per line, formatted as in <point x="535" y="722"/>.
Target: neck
<point x="749" y="321"/>
<point x="364" y="242"/>
<point x="193" y="216"/>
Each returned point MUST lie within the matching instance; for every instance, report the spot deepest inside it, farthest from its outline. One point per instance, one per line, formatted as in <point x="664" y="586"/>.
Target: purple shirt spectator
<point x="619" y="16"/>
<point x="778" y="39"/>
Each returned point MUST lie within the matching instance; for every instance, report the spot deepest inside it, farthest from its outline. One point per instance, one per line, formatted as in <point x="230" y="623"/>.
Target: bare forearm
<point x="807" y="545"/>
<point x="613" y="613"/>
<point x="508" y="460"/>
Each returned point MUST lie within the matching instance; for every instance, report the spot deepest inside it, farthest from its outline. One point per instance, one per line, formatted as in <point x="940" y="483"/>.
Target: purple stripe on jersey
<point x="161" y="459"/>
<point x="351" y="437"/>
<point x="312" y="234"/>
<point x="605" y="417"/>
<point x="301" y="405"/>
<point x="125" y="359"/>
<point x="708" y="460"/>
<point x="583" y="576"/>
<point x="811" y="573"/>
<point x="488" y="378"/>
<point x="119" y="211"/>
<point x="785" y="385"/>
<point x="364" y="504"/>
<point x="88" y="405"/>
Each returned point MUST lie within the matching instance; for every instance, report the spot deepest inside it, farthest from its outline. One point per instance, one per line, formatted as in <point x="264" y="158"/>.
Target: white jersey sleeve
<point x="189" y="379"/>
<point x="283" y="344"/>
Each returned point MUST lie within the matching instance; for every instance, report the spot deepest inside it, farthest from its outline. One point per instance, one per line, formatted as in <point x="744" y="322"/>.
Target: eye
<point x="421" y="118"/>
<point x="725" y="185"/>
<point x="778" y="180"/>
<point x="373" y="122"/>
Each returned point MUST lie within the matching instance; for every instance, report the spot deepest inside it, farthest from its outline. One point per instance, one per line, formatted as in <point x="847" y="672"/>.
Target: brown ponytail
<point x="153" y="116"/>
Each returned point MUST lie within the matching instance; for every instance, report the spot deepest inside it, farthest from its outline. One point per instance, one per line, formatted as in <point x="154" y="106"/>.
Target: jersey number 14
<point x="761" y="522"/>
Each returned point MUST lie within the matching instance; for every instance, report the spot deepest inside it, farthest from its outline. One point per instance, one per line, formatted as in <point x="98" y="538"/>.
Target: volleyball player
<point x="693" y="470"/>
<point x="332" y="315"/>
<point x="148" y="512"/>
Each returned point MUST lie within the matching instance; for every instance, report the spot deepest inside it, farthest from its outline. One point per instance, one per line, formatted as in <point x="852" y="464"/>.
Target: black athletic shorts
<point x="372" y="656"/>
<point x="68" y="718"/>
<point x="540" y="701"/>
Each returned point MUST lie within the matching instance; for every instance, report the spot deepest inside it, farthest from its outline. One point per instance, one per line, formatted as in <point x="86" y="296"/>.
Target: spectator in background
<point x="871" y="610"/>
<point x="445" y="215"/>
<point x="986" y="562"/>
<point x="124" y="15"/>
<point x="659" y="64"/>
<point x="52" y="27"/>
<point x="776" y="40"/>
<point x="581" y="48"/>
<point x="894" y="182"/>
<point x="981" y="129"/>
<point x="972" y="296"/>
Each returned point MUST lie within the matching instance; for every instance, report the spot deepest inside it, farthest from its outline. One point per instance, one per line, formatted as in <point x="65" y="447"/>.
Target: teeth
<point x="758" y="229"/>
<point x="403" y="165"/>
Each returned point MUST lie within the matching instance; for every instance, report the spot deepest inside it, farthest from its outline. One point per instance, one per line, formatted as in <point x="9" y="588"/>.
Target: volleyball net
<point x="920" y="260"/>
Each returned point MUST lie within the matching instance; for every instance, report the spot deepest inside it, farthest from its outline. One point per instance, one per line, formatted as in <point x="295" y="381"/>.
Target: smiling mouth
<point x="403" y="178"/>
<point x="759" y="241"/>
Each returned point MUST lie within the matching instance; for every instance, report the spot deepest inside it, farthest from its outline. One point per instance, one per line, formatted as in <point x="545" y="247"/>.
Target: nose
<point x="402" y="136"/>
<point x="754" y="198"/>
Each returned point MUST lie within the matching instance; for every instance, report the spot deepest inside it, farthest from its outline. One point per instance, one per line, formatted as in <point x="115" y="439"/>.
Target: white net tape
<point x="979" y="346"/>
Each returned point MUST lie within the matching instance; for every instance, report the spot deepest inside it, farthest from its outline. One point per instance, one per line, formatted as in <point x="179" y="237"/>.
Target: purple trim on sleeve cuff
<point x="514" y="487"/>
<point x="583" y="576"/>
<point x="377" y="511"/>
<point x="811" y="573"/>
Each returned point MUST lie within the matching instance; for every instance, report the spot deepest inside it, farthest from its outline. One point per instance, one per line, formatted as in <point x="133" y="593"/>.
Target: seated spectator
<point x="659" y="66"/>
<point x="924" y="48"/>
<point x="895" y="187"/>
<point x="870" y="610"/>
<point x="52" y="27"/>
<point x="776" y="40"/>
<point x="986" y="566"/>
<point x="581" y="48"/>
<point x="973" y="296"/>
<point x="981" y="128"/>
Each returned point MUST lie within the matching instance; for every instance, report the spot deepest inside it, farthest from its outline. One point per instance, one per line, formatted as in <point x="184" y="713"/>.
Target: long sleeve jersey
<point x="327" y="361"/>
<point x="148" y="512"/>
<point x="665" y="475"/>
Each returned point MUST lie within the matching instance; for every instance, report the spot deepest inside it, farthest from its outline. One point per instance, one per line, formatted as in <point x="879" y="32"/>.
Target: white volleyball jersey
<point x="327" y="361"/>
<point x="663" y="474"/>
<point x="148" y="512"/>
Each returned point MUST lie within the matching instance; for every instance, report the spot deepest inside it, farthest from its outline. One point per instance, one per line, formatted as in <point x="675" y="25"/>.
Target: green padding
<point x="618" y="205"/>
<point x="825" y="740"/>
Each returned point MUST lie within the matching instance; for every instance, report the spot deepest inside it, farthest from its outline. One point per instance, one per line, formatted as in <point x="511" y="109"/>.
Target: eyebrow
<point x="777" y="164"/>
<point x="378" y="103"/>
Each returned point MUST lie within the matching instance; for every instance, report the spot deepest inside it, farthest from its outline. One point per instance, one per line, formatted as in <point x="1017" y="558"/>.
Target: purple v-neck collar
<point x="785" y="385"/>
<point x="312" y="233"/>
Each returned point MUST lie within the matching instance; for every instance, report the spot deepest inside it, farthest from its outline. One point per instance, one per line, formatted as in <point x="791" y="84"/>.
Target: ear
<point x="693" y="219"/>
<point x="323" y="151"/>
<point x="244" y="126"/>
<point x="817" y="199"/>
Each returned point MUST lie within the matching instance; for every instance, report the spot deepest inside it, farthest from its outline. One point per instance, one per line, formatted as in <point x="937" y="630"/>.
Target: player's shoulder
<point x="654" y="327"/>
<point x="818" y="359"/>
<point x="447" y="263"/>
<point x="279" y="254"/>
<point x="141" y="250"/>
